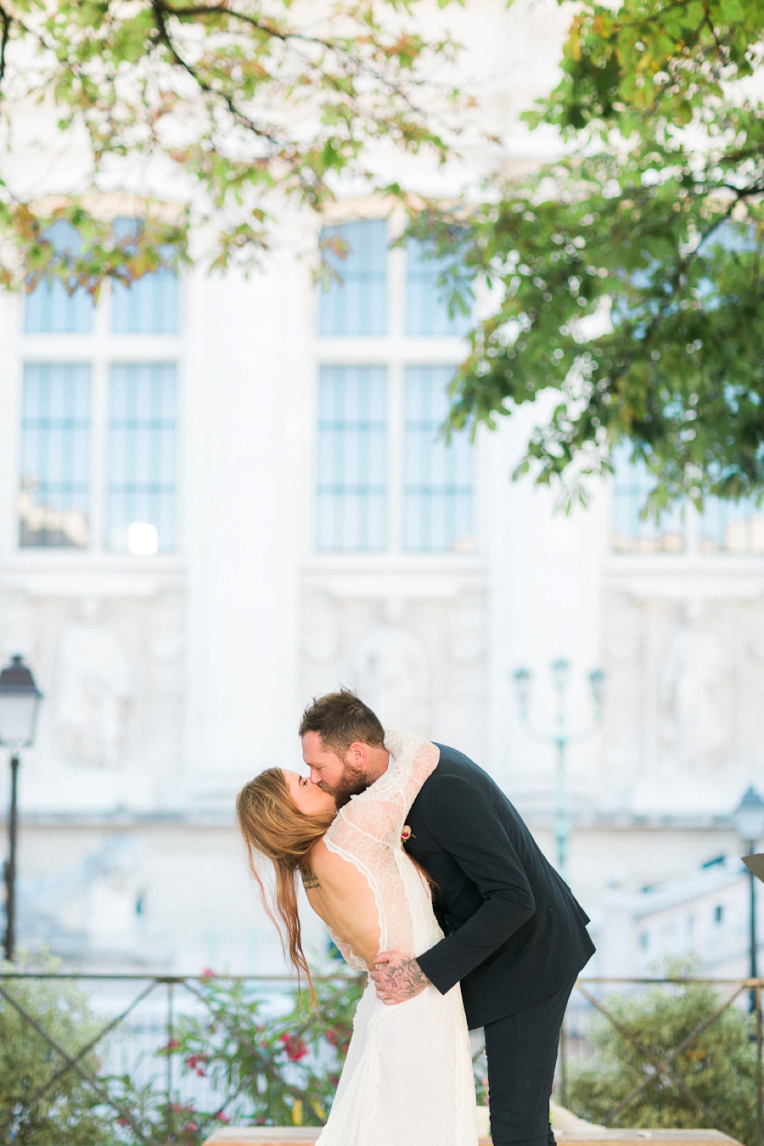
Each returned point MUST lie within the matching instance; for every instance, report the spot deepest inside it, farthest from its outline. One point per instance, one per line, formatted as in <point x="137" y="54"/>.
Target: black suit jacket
<point x="514" y="934"/>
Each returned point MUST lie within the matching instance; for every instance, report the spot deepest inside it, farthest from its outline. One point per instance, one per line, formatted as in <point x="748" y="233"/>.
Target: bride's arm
<point x="413" y="760"/>
<point x="383" y="807"/>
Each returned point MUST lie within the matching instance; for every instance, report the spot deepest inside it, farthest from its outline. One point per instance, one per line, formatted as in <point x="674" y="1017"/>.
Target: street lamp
<point x="748" y="819"/>
<point x="19" y="704"/>
<point x="561" y="738"/>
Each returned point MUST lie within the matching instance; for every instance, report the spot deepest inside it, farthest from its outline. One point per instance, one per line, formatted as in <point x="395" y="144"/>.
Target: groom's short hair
<point x="341" y="718"/>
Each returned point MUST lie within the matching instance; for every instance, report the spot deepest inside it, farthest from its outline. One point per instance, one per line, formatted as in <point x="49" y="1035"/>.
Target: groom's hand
<point x="397" y="977"/>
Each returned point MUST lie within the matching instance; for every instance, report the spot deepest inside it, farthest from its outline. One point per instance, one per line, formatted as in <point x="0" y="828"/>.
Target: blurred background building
<point x="219" y="497"/>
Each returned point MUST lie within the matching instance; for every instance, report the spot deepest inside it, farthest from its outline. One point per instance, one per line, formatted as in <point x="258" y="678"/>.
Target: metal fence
<point x="593" y="997"/>
<point x="136" y="1019"/>
<point x="137" y="1015"/>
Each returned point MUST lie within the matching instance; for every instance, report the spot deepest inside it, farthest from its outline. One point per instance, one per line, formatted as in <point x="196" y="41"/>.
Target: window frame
<point x="100" y="349"/>
<point x="694" y="548"/>
<point x="396" y="351"/>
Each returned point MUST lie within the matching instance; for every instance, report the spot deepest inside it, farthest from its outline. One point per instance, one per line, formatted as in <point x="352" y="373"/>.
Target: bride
<point x="408" y="1072"/>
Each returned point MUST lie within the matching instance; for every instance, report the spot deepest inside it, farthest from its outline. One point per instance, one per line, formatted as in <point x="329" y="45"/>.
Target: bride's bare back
<point x="362" y="883"/>
<point x="341" y="895"/>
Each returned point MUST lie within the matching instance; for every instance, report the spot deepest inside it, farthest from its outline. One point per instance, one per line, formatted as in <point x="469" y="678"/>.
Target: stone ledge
<point x="597" y="1136"/>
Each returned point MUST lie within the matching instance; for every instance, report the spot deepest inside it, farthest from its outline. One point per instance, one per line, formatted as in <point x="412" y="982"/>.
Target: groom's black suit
<point x="515" y="938"/>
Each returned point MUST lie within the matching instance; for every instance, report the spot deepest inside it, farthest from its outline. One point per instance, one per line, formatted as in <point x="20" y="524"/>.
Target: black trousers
<point x="522" y="1054"/>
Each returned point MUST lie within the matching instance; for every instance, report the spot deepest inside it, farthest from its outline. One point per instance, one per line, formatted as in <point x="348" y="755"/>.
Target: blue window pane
<point x="142" y="457"/>
<point x="426" y="308"/>
<point x="54" y="500"/>
<point x="150" y="305"/>
<point x="358" y="303"/>
<point x="50" y="309"/>
<point x="632" y="484"/>
<point x="732" y="527"/>
<point x="352" y="459"/>
<point x="147" y="306"/>
<point x="437" y="476"/>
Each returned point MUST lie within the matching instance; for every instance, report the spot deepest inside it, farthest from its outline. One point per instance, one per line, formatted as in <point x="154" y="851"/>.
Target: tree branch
<point x="243" y="120"/>
<point x="231" y="13"/>
<point x="5" y="20"/>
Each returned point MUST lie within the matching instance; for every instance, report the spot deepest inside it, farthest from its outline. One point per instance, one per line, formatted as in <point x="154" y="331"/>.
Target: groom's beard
<point x="350" y="783"/>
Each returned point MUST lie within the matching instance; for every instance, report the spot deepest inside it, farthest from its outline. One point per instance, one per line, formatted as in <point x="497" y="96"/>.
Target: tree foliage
<point x="719" y="1066"/>
<point x="628" y="272"/>
<point x="219" y="103"/>
<point x="68" y="1112"/>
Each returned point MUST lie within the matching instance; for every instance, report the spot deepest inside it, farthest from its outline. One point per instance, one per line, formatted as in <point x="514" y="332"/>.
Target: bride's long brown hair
<point x="273" y="826"/>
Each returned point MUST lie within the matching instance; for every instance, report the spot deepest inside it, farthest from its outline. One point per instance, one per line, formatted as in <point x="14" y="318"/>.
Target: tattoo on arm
<point x="310" y="879"/>
<point x="406" y="978"/>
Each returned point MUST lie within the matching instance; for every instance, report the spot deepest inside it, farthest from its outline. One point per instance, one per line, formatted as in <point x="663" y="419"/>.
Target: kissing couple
<point x="428" y="880"/>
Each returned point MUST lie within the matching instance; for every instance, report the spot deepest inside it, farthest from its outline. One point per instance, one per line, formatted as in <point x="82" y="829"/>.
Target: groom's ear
<point x="357" y="755"/>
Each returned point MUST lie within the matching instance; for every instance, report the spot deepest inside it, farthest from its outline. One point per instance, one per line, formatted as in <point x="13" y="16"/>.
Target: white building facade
<point x="219" y="497"/>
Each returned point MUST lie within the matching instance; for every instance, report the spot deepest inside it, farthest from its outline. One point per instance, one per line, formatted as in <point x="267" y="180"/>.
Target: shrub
<point x="719" y="1066"/>
<point x="67" y="1112"/>
<point x="273" y="1071"/>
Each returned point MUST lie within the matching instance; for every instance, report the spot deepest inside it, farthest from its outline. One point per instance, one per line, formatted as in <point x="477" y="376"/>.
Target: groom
<point x="515" y="938"/>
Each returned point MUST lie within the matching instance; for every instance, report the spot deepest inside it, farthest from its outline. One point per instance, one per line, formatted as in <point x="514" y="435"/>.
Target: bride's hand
<point x="397" y="977"/>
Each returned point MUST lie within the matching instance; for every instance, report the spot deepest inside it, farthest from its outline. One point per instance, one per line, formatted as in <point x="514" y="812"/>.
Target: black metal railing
<point x="659" y="1064"/>
<point x="136" y="1017"/>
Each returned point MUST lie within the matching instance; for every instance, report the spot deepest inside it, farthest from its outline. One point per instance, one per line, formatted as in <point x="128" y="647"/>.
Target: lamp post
<point x="748" y="819"/>
<point x="19" y="704"/>
<point x="560" y="738"/>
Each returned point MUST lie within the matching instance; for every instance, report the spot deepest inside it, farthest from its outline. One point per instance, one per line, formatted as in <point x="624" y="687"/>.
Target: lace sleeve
<point x="382" y="809"/>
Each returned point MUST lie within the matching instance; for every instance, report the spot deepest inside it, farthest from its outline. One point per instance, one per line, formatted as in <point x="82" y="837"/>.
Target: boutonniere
<point x="407" y="834"/>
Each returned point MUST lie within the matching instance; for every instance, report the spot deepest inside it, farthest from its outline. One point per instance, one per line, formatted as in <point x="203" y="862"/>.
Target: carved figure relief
<point x="467" y="641"/>
<point x="694" y="692"/>
<point x="320" y="637"/>
<point x="164" y="678"/>
<point x="94" y="690"/>
<point x="622" y="726"/>
<point x="320" y="642"/>
<point x="390" y="673"/>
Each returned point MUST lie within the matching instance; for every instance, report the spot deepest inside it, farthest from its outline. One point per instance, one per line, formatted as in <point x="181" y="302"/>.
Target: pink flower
<point x="196" y="1063"/>
<point x="222" y="1116"/>
<point x="295" y="1047"/>
<point x="208" y="974"/>
<point x="406" y="833"/>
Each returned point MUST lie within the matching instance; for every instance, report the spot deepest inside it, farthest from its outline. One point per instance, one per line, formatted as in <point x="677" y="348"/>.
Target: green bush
<point x="67" y="1113"/>
<point x="270" y="1071"/>
<point x="267" y="1070"/>
<point x="719" y="1066"/>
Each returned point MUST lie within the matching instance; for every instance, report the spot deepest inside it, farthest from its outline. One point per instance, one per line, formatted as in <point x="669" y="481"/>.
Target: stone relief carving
<point x="164" y="679"/>
<point x="467" y="640"/>
<point x="419" y="662"/>
<point x="694" y="695"/>
<point x="391" y="673"/>
<point x="94" y="689"/>
<point x="320" y="638"/>
<point x="320" y="641"/>
<point x="623" y="716"/>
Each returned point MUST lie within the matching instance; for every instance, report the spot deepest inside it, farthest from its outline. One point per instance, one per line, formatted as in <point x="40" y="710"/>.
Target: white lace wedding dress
<point x="408" y="1073"/>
